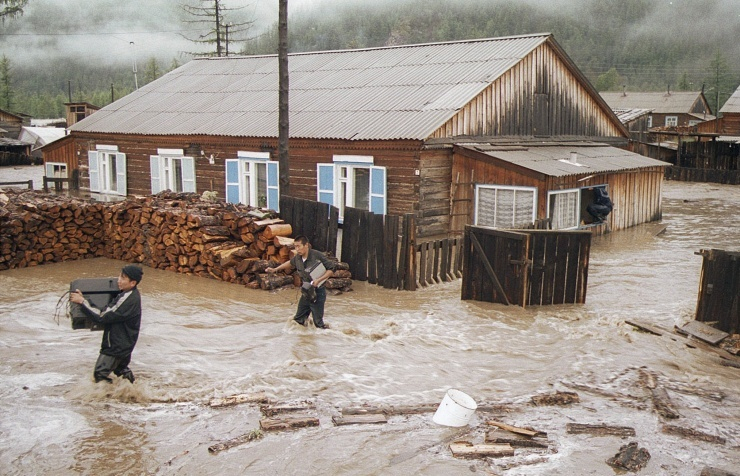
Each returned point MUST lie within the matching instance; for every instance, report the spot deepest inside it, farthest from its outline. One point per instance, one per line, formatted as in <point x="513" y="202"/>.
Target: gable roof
<point x="554" y="160"/>
<point x="660" y="102"/>
<point x="733" y="103"/>
<point x="400" y="92"/>
<point x="627" y="115"/>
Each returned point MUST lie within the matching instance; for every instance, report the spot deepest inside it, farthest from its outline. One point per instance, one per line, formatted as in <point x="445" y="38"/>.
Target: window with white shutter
<point x="563" y="208"/>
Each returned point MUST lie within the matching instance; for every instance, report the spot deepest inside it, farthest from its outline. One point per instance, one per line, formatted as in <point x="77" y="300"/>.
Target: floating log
<point x="337" y="283"/>
<point x="239" y="440"/>
<point x="515" y="442"/>
<point x="272" y="410"/>
<point x="276" y="424"/>
<point x="238" y="399"/>
<point x="514" y="429"/>
<point x="630" y="457"/>
<point x="557" y="398"/>
<point x="693" y="434"/>
<point x="465" y="449"/>
<point x="600" y="430"/>
<point x="709" y="471"/>
<point x="645" y="327"/>
<point x="370" y="418"/>
<point x="661" y="400"/>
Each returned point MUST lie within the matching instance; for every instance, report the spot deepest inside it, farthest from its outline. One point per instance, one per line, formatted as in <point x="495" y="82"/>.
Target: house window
<point x="352" y="181"/>
<point x="107" y="169"/>
<point x="56" y="170"/>
<point x="171" y="170"/>
<point x="671" y="121"/>
<point x="563" y="209"/>
<point x="253" y="179"/>
<point x="650" y="122"/>
<point x="500" y="206"/>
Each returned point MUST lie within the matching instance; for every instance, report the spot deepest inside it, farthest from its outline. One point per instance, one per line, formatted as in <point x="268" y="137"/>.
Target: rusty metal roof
<point x="401" y="92"/>
<point x="660" y="102"/>
<point x="556" y="160"/>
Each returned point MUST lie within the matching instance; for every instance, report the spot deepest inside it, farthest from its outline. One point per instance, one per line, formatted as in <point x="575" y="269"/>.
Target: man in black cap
<point x="121" y="320"/>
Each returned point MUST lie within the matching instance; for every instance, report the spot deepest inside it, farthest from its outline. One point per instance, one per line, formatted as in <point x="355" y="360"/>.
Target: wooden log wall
<point x="174" y="232"/>
<point x="719" y="290"/>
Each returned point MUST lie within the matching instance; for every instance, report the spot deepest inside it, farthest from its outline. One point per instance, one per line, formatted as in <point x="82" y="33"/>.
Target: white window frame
<point x="650" y="122"/>
<point x="671" y="121"/>
<point x="245" y="188"/>
<point x="513" y="224"/>
<point x="343" y="170"/>
<point x="162" y="169"/>
<point x="556" y="222"/>
<point x="60" y="172"/>
<point x="105" y="162"/>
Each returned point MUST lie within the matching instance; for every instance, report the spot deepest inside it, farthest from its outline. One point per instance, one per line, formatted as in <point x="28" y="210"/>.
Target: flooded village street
<point x="202" y="339"/>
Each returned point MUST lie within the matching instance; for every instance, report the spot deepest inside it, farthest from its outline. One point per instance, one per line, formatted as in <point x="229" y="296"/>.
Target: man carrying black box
<point x="121" y="320"/>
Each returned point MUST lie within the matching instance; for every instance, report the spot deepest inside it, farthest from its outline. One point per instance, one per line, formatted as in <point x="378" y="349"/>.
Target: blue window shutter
<point x="188" y="174"/>
<point x="378" y="190"/>
<point x="273" y="185"/>
<point x="121" y="186"/>
<point x="94" y="170"/>
<point x="325" y="183"/>
<point x="232" y="180"/>
<point x="155" y="170"/>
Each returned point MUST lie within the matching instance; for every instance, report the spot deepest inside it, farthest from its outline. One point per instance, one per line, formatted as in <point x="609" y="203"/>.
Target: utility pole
<point x="136" y="78"/>
<point x="283" y="89"/>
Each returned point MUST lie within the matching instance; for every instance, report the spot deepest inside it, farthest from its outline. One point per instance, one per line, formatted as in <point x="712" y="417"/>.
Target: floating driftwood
<point x="701" y="331"/>
<point x="514" y="429"/>
<point x="516" y="442"/>
<point x="600" y="430"/>
<point x="370" y="418"/>
<point x="272" y="410"/>
<point x="661" y="400"/>
<point x="630" y="457"/>
<point x="645" y="327"/>
<point x="238" y="399"/>
<point x="465" y="449"/>
<point x="239" y="440"/>
<point x="693" y="434"/>
<point x="391" y="410"/>
<point x="709" y="471"/>
<point x="276" y="424"/>
<point x="557" y="398"/>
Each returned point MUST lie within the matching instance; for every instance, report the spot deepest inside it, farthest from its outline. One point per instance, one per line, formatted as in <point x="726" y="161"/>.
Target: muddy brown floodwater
<point x="202" y="339"/>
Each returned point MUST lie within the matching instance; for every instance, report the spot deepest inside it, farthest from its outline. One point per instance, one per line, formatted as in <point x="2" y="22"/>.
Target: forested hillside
<point x="637" y="44"/>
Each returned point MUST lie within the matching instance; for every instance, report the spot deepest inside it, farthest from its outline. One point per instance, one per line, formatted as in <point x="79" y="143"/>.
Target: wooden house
<point x="669" y="109"/>
<point x="374" y="129"/>
<point x="11" y="124"/>
<point x="77" y="111"/>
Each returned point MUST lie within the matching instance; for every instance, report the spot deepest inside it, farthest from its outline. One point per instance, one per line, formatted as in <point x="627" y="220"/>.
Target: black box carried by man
<point x="100" y="292"/>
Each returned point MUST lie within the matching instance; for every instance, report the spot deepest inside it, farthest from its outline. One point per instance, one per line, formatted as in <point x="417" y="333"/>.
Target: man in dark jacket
<point x="121" y="320"/>
<point x="601" y="206"/>
<point x="313" y="294"/>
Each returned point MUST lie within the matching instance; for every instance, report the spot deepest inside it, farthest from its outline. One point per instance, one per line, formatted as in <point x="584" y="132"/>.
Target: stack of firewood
<point x="175" y="232"/>
<point x="37" y="228"/>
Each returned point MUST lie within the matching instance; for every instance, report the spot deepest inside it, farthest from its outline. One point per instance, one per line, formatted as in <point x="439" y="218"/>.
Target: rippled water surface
<point x="202" y="339"/>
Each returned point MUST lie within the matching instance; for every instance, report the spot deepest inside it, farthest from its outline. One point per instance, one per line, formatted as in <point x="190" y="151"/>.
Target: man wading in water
<point x="313" y="293"/>
<point x="121" y="320"/>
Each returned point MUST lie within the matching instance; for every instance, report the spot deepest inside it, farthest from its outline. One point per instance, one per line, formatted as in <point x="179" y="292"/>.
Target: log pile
<point x="177" y="232"/>
<point x="37" y="228"/>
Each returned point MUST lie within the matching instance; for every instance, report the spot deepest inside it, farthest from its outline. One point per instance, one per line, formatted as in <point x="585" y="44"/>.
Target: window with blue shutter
<point x="232" y="180"/>
<point x="325" y="180"/>
<point x="377" y="190"/>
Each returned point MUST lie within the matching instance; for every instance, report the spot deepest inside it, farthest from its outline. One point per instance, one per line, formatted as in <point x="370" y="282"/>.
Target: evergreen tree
<point x="12" y="8"/>
<point x="6" y="87"/>
<point x="151" y="70"/>
<point x="609" y="81"/>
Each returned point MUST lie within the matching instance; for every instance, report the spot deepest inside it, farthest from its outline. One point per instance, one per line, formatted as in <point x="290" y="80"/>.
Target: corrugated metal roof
<point x="403" y="92"/>
<point x="626" y="115"/>
<point x="660" y="102"/>
<point x="554" y="160"/>
<point x="732" y="104"/>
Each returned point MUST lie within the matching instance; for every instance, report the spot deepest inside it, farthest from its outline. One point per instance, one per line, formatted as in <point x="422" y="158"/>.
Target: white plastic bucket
<point x="456" y="409"/>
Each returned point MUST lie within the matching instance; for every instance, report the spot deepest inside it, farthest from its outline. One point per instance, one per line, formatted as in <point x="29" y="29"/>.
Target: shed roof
<point x="400" y="92"/>
<point x="627" y="115"/>
<point x="40" y="136"/>
<point x="659" y="102"/>
<point x="555" y="160"/>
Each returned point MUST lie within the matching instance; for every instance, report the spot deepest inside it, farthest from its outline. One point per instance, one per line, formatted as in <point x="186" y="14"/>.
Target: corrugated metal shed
<point x="556" y="160"/>
<point x="732" y="104"/>
<point x="403" y="92"/>
<point x="660" y="102"/>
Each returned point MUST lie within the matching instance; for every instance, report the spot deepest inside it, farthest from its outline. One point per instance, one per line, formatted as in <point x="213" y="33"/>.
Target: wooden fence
<point x="319" y="222"/>
<point x="688" y="174"/>
<point x="525" y="267"/>
<point x="73" y="182"/>
<point x="27" y="183"/>
<point x="719" y="290"/>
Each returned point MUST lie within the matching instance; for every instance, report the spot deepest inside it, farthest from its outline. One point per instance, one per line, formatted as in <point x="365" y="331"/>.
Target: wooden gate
<point x="525" y="267"/>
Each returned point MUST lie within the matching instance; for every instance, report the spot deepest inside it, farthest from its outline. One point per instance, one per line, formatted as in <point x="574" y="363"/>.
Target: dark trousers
<point x="118" y="365"/>
<point x="316" y="308"/>
<point x="599" y="212"/>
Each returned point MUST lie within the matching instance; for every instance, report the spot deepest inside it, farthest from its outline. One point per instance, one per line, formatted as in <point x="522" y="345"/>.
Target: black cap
<point x="133" y="272"/>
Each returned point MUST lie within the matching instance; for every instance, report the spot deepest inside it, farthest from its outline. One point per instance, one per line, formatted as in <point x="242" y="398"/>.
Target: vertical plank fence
<point x="719" y="290"/>
<point x="319" y="222"/>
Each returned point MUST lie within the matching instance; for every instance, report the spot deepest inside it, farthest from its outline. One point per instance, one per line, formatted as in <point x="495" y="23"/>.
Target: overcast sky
<point x="103" y="30"/>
